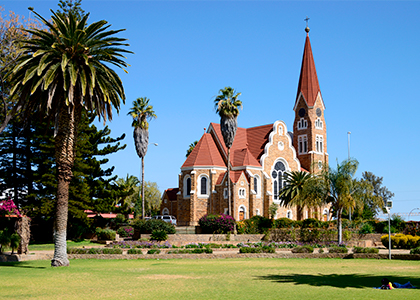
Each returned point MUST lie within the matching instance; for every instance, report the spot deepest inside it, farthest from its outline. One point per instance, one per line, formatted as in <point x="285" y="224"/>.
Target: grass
<point x="50" y="246"/>
<point x="240" y="278"/>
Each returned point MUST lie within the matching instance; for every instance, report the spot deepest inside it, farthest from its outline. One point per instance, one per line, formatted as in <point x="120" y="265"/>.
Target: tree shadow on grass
<point x="18" y="264"/>
<point x="338" y="280"/>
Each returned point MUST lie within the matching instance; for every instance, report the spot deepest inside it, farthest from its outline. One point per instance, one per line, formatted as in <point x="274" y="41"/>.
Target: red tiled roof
<point x="220" y="178"/>
<point x="235" y="175"/>
<point x="308" y="80"/>
<point x="172" y="193"/>
<point x="205" y="153"/>
<point x="248" y="145"/>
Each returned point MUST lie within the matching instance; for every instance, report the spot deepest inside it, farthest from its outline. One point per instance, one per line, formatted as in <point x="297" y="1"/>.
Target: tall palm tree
<point x="293" y="192"/>
<point x="142" y="112"/>
<point x="62" y="71"/>
<point x="336" y="187"/>
<point x="227" y="106"/>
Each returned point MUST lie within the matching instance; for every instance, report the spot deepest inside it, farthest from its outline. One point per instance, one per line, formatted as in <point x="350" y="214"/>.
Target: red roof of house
<point x="308" y="80"/>
<point x="205" y="153"/>
<point x="172" y="193"/>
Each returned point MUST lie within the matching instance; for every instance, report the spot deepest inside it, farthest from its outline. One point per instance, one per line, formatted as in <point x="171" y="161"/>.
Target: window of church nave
<point x="302" y="144"/>
<point x="203" y="188"/>
<point x="318" y="124"/>
<point x="302" y="124"/>
<point x="257" y="185"/>
<point x="187" y="186"/>
<point x="241" y="193"/>
<point x="277" y="176"/>
<point x="319" y="143"/>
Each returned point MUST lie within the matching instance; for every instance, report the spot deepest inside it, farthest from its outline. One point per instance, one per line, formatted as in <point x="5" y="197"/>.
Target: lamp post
<point x="408" y="219"/>
<point x="388" y="209"/>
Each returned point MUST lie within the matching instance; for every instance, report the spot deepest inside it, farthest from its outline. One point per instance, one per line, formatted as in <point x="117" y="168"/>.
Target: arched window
<point x="289" y="214"/>
<point x="241" y="193"/>
<point x="242" y="213"/>
<point x="318" y="124"/>
<point x="165" y="211"/>
<point x="257" y="184"/>
<point x="203" y="183"/>
<point x="277" y="178"/>
<point x="187" y="186"/>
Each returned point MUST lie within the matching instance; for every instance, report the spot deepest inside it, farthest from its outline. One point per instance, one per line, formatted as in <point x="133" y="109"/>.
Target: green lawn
<point x="209" y="279"/>
<point x="38" y="247"/>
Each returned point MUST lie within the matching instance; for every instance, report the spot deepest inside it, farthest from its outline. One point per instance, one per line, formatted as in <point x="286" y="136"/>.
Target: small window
<point x="225" y="193"/>
<point x="318" y="124"/>
<point x="289" y="214"/>
<point x="302" y="124"/>
<point x="187" y="186"/>
<point x="256" y="183"/>
<point x="258" y="212"/>
<point x="241" y="193"/>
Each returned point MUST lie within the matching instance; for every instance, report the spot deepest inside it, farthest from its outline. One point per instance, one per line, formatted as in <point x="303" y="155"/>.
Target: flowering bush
<point x="8" y="207"/>
<point x="126" y="231"/>
<point x="217" y="223"/>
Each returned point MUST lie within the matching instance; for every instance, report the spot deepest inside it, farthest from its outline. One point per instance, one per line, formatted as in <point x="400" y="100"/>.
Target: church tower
<point x="309" y="128"/>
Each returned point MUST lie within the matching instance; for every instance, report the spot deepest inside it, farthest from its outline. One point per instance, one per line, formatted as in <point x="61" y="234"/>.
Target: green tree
<point x="379" y="191"/>
<point x="227" y="105"/>
<point x="191" y="148"/>
<point x="293" y="192"/>
<point x="335" y="187"/>
<point x="142" y="112"/>
<point x="153" y="197"/>
<point x="70" y="6"/>
<point x="127" y="201"/>
<point x="11" y="33"/>
<point x="60" y="73"/>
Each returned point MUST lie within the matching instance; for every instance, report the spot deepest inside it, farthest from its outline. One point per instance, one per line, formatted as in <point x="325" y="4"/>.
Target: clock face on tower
<point x="318" y="112"/>
<point x="302" y="112"/>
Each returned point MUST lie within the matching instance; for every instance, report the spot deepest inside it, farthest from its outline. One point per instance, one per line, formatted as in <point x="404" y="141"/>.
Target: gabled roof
<point x="248" y="145"/>
<point x="171" y="193"/>
<point x="308" y="80"/>
<point x="205" y="153"/>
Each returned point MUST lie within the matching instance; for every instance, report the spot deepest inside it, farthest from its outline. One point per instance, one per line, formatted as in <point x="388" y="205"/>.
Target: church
<point x="259" y="157"/>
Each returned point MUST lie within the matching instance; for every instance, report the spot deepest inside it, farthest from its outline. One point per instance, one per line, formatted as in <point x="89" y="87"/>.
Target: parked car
<point x="166" y="218"/>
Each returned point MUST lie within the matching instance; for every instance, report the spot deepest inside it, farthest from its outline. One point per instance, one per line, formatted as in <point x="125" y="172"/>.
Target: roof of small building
<point x="172" y="193"/>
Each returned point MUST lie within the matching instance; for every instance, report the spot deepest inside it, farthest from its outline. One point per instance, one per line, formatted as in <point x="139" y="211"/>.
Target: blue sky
<point x="366" y="55"/>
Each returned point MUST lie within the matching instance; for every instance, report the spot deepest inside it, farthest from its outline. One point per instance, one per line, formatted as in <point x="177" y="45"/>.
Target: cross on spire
<point x="307" y="27"/>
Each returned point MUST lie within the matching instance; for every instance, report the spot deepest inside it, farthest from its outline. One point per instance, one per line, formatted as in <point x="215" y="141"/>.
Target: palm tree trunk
<point x="142" y="188"/>
<point x="65" y="142"/>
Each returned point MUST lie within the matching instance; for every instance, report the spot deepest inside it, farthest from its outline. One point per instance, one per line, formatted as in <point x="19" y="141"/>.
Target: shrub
<point x="120" y="219"/>
<point x="76" y="251"/>
<point x="111" y="251"/>
<point x="311" y="223"/>
<point x="153" y="251"/>
<point x="366" y="229"/>
<point x="134" y="251"/>
<point x="250" y="250"/>
<point x="415" y="251"/>
<point x="147" y="226"/>
<point x="303" y="249"/>
<point x="159" y="235"/>
<point x="105" y="234"/>
<point x="217" y="223"/>
<point x="126" y="231"/>
<point x="94" y="251"/>
<point x="347" y="235"/>
<point x="338" y="249"/>
<point x="283" y="223"/>
<point x="309" y="235"/>
<point x="202" y="250"/>
<point x="365" y="250"/>
<point x="5" y="238"/>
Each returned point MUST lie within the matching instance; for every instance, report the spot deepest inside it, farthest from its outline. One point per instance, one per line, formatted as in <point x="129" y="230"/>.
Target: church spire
<point x="308" y="80"/>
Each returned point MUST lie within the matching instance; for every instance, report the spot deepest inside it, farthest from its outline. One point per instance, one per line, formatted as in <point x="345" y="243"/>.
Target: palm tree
<point x="335" y="187"/>
<point x="191" y="148"/>
<point x="227" y="106"/>
<point x="130" y="196"/>
<point x="142" y="112"/>
<point x="61" y="72"/>
<point x="293" y="193"/>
